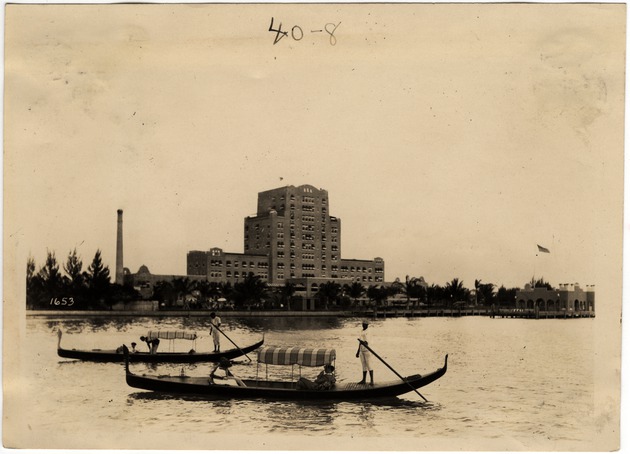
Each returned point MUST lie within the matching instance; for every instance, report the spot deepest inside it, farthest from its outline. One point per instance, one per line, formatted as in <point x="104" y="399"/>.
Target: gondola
<point x="159" y="357"/>
<point x="273" y="389"/>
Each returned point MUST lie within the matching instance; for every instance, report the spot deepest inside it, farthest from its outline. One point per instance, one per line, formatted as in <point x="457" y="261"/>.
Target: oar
<point x="392" y="369"/>
<point x="228" y="338"/>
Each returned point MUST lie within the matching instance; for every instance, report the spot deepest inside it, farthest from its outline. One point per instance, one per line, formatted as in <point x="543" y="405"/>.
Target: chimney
<point x="119" y="249"/>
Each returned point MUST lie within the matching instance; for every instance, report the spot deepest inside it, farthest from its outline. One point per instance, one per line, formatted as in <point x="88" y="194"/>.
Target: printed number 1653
<point x="65" y="301"/>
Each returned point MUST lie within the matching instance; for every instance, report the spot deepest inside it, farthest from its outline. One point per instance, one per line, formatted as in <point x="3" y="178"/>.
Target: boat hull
<point x="165" y="357"/>
<point x="280" y="390"/>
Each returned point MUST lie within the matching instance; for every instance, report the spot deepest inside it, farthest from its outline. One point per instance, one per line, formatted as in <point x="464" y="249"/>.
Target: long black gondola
<point x="274" y="389"/>
<point x="118" y="356"/>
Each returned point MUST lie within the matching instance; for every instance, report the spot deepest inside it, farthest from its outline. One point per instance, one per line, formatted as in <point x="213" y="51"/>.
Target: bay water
<point x="511" y="384"/>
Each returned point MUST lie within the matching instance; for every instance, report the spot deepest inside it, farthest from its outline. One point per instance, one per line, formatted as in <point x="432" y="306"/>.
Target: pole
<point x="392" y="369"/>
<point x="226" y="336"/>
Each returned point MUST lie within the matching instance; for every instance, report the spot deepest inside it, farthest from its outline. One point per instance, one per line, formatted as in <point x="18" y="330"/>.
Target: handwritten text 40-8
<point x="297" y="32"/>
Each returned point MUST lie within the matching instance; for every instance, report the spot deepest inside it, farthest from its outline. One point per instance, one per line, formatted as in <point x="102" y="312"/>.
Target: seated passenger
<point x="325" y="380"/>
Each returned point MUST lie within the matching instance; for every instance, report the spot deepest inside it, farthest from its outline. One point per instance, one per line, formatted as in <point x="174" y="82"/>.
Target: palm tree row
<point x="49" y="287"/>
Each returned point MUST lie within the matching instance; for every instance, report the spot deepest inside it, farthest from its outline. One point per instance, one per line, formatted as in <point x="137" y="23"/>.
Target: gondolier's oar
<point x="227" y="337"/>
<point x="392" y="369"/>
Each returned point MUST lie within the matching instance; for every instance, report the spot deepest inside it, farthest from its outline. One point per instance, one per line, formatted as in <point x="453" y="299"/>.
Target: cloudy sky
<point x="452" y="138"/>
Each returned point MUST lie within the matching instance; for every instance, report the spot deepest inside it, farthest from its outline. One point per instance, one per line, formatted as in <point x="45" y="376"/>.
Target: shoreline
<point x="371" y="313"/>
<point x="190" y="313"/>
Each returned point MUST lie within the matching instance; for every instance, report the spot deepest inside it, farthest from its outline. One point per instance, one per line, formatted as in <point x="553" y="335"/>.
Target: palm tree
<point x="456" y="290"/>
<point x="164" y="292"/>
<point x="329" y="291"/>
<point x="225" y="290"/>
<point x="287" y="291"/>
<point x="506" y="296"/>
<point x="486" y="294"/>
<point x="183" y="286"/>
<point x="204" y="289"/>
<point x="477" y="286"/>
<point x="355" y="291"/>
<point x="377" y="293"/>
<point x="252" y="290"/>
<point x="413" y="287"/>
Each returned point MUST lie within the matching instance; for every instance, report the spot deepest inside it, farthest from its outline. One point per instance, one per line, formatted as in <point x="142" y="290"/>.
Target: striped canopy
<point x="171" y="335"/>
<point x="294" y="355"/>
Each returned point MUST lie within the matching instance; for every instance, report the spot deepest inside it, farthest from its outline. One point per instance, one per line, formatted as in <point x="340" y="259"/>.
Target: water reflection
<point x="365" y="412"/>
<point x="311" y="415"/>
<point x="259" y="324"/>
<point x="154" y="396"/>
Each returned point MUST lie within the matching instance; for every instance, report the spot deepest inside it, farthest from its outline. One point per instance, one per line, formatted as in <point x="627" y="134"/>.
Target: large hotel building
<point x="293" y="237"/>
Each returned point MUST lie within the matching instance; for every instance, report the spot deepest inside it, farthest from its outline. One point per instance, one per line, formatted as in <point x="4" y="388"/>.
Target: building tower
<point x="119" y="250"/>
<point x="293" y="227"/>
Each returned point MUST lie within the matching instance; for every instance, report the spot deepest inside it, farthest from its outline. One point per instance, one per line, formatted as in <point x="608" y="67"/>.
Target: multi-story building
<point x="219" y="266"/>
<point x="292" y="236"/>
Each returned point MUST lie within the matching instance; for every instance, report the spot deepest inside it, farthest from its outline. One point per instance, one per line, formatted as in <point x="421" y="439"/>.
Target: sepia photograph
<point x="313" y="226"/>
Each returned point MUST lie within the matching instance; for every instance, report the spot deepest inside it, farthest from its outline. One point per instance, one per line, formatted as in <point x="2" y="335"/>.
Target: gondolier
<point x="364" y="354"/>
<point x="215" y="320"/>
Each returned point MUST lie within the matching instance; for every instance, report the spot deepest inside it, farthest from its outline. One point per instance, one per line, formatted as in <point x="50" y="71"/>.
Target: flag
<point x="542" y="249"/>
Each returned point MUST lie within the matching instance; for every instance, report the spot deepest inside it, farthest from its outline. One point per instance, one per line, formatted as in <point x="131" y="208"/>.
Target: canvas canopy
<point x="174" y="334"/>
<point x="295" y="355"/>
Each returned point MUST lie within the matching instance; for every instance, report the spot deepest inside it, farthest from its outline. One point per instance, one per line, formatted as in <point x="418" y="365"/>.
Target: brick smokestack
<point x="119" y="249"/>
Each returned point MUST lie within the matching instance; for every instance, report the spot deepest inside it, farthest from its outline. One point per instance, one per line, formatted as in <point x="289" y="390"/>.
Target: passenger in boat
<point x="151" y="343"/>
<point x="365" y="355"/>
<point x="325" y="380"/>
<point x="216" y="335"/>
<point x="133" y="347"/>
<point x="225" y="364"/>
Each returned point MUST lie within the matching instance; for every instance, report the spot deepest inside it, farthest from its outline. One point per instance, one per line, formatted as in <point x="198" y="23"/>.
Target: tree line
<point x="51" y="288"/>
<point x="68" y="285"/>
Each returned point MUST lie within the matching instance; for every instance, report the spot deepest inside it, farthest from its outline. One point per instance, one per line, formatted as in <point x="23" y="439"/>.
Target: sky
<point x="452" y="139"/>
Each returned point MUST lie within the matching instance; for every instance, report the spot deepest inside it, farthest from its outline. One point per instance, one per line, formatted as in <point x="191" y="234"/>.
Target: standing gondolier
<point x="215" y="320"/>
<point x="365" y="355"/>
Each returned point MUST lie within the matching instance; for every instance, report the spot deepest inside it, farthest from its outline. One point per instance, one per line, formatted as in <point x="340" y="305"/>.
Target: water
<point x="511" y="385"/>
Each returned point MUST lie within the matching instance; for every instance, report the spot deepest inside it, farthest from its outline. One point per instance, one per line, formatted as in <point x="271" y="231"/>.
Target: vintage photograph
<point x="330" y="227"/>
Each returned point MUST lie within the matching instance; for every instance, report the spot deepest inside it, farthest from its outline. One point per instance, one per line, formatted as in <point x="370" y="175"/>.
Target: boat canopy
<point x="295" y="355"/>
<point x="174" y="334"/>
